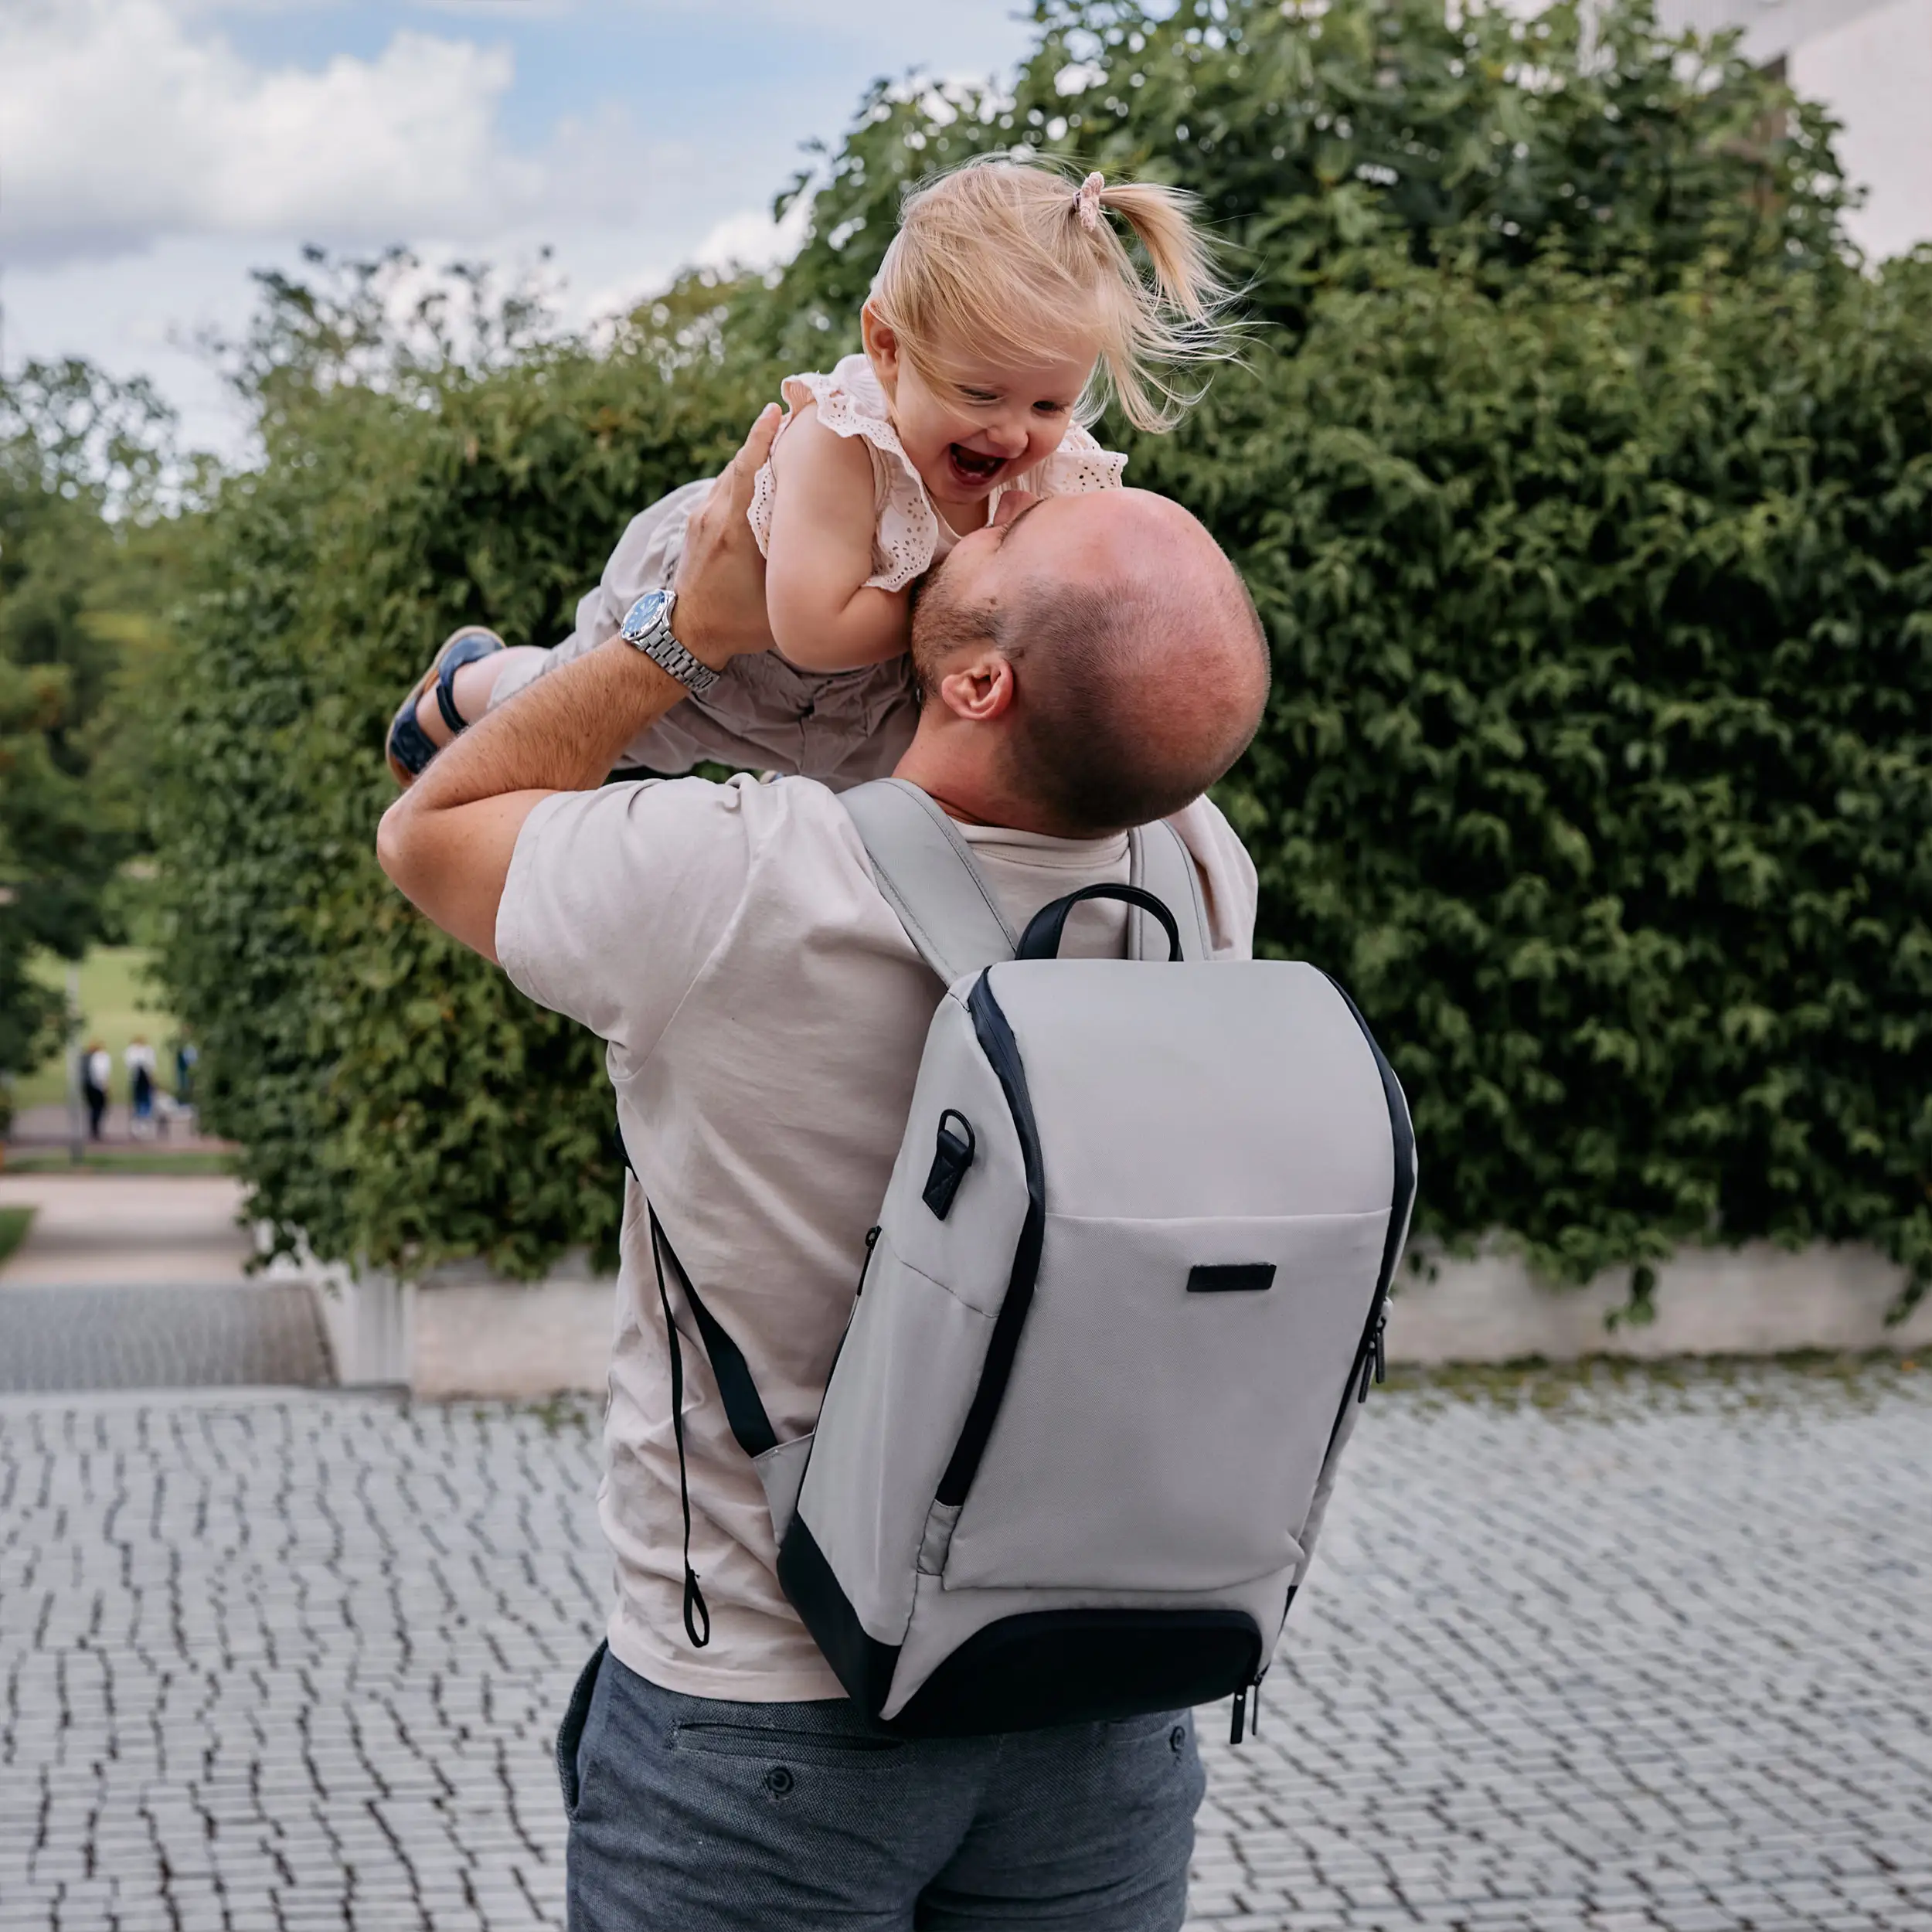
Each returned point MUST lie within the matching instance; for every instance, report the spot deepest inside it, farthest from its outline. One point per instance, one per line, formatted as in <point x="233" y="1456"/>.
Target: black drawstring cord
<point x="696" y="1611"/>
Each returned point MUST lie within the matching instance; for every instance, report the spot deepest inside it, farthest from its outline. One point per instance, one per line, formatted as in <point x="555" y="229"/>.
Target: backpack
<point x="1126" y="1293"/>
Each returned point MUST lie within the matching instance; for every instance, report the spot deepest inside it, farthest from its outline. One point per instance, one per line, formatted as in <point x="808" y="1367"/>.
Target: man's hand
<point x="721" y="575"/>
<point x="448" y="841"/>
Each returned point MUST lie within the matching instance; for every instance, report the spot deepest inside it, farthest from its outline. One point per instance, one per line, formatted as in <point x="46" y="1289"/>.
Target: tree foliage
<point x="84" y="462"/>
<point x="1579" y="475"/>
<point x="394" y="1097"/>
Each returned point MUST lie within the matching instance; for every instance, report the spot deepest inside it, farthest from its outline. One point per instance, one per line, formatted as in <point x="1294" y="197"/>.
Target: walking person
<point x="97" y="1071"/>
<point x="139" y="1060"/>
<point x="1086" y="663"/>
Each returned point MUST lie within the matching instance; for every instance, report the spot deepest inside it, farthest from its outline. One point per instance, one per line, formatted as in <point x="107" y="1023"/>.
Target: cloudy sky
<point x="153" y="151"/>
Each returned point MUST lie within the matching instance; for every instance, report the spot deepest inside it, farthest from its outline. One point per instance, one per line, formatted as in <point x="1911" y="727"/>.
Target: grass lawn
<point x="150" y="1158"/>
<point x="117" y="1003"/>
<point x="14" y="1224"/>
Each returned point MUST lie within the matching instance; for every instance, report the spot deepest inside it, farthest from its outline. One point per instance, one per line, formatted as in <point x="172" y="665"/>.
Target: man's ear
<point x="881" y="349"/>
<point x="978" y="689"/>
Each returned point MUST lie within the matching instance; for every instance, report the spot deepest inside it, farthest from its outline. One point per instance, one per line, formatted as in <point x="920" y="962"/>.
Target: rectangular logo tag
<point x="1231" y="1277"/>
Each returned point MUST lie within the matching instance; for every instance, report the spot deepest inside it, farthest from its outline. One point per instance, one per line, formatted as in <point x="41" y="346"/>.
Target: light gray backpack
<point x="1127" y="1290"/>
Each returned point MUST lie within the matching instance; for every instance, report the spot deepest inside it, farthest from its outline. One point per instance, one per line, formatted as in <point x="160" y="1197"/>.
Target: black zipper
<point x="996" y="1042"/>
<point x="1370" y="1356"/>
<point x="1244" y="1722"/>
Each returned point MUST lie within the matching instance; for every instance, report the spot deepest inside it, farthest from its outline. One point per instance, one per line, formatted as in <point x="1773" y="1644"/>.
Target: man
<point x="1090" y="663"/>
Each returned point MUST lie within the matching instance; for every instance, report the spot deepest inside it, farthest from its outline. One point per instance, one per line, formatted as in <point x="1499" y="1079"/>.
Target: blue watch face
<point x="645" y="612"/>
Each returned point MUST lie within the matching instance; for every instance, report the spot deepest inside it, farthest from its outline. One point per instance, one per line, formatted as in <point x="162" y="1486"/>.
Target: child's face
<point x="987" y="422"/>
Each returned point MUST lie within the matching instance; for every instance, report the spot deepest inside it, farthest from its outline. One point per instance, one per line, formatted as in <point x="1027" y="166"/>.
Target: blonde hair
<point x="1005" y="254"/>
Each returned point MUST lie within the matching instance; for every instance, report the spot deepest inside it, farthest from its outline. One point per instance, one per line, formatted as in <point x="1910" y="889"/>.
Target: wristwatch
<point x="646" y="628"/>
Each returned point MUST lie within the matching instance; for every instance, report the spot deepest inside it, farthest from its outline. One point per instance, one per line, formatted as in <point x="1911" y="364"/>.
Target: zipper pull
<point x="865" y="1267"/>
<point x="1237" y="1722"/>
<point x="1372" y="1362"/>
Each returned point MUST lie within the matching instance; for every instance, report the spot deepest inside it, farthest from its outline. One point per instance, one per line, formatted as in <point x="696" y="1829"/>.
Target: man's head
<point x="1088" y="664"/>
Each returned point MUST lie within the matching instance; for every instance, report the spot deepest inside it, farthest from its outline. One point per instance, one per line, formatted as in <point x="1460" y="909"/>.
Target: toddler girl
<point x="1006" y="308"/>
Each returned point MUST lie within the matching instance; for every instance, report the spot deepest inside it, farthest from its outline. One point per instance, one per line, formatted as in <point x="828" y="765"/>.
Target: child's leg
<point x="473" y="687"/>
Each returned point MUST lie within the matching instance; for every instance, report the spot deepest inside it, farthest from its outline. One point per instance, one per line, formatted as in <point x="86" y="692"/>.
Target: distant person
<point x="1007" y="309"/>
<point x="186" y="1054"/>
<point x="139" y="1060"/>
<point x="96" y="1071"/>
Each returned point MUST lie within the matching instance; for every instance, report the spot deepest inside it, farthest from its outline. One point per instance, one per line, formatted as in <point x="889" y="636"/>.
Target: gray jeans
<point x="692" y="1814"/>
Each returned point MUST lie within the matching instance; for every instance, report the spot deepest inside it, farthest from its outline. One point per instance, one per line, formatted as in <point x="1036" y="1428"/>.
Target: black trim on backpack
<point x="1369" y="1357"/>
<point x="1001" y="1050"/>
<point x="744" y="1409"/>
<point x="1083" y="1666"/>
<point x="1041" y="937"/>
<point x="863" y="1665"/>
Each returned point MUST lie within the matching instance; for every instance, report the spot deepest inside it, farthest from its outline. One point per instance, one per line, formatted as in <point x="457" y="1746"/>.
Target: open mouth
<point x="969" y="467"/>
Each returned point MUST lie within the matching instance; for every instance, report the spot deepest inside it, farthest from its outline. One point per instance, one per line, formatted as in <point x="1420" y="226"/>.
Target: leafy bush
<point x="1578" y="479"/>
<point x="395" y="1097"/>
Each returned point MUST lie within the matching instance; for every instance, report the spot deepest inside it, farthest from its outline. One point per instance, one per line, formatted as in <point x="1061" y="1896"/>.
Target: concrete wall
<point x="465" y="1332"/>
<point x="1755" y="1300"/>
<point x="462" y="1333"/>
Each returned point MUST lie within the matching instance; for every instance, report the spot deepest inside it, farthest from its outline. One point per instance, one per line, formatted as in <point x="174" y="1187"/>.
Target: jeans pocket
<point x="827" y="1750"/>
<point x="569" y="1736"/>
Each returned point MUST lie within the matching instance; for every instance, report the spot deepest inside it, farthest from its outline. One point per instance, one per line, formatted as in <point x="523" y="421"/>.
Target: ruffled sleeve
<point x="1079" y="467"/>
<point x="905" y="527"/>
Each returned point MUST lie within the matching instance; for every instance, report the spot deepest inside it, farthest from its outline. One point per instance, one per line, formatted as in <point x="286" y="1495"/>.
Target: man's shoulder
<point x="674" y="823"/>
<point x="620" y="900"/>
<point x="1230" y="885"/>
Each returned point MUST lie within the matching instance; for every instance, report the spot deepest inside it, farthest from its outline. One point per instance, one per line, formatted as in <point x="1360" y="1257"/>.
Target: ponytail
<point x="1007" y="254"/>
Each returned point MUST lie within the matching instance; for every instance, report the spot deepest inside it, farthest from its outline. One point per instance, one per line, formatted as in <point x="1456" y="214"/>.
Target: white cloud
<point x="751" y="239"/>
<point x="120" y="121"/>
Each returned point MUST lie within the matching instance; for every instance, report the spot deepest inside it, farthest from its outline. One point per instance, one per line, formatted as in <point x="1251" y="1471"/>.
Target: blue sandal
<point x="408" y="746"/>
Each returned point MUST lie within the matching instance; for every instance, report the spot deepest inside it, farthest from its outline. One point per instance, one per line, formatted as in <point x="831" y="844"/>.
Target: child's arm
<point x="824" y="615"/>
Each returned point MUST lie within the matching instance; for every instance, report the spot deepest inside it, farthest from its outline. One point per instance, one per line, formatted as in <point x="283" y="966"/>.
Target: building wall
<point x="1869" y="61"/>
<point x="1771" y="27"/>
<point x="1875" y="72"/>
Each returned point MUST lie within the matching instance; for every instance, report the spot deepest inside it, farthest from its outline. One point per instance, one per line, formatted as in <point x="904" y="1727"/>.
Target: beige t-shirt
<point x="765" y="1013"/>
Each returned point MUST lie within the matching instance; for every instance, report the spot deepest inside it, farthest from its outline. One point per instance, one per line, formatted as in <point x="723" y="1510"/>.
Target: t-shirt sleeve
<point x="616" y="899"/>
<point x="1229" y="884"/>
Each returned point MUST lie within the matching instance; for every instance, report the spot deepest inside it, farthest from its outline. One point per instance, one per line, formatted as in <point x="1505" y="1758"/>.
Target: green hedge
<point x="1581" y="486"/>
<point x="394" y="1097"/>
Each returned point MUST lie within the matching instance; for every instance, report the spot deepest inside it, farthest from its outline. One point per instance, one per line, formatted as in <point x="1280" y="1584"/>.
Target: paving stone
<point x="1641" y="1661"/>
<point x="174" y="1337"/>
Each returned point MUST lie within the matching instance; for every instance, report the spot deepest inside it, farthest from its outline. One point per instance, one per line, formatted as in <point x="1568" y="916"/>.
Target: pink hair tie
<point x="1087" y="202"/>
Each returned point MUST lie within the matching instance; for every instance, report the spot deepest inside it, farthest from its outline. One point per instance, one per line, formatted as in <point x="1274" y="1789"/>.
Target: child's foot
<point x="429" y="717"/>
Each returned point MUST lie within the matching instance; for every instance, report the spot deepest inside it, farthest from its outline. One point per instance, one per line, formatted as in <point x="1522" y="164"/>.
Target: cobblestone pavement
<point x="1651" y="1656"/>
<point x="159" y="1338"/>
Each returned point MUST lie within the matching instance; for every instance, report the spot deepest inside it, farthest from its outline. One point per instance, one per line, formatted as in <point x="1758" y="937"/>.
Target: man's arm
<point x="447" y="841"/>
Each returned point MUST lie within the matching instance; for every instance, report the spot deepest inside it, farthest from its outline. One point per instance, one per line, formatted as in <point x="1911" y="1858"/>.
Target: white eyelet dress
<point x="843" y="727"/>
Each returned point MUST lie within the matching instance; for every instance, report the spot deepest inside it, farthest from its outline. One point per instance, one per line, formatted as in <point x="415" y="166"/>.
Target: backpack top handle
<point x="1041" y="937"/>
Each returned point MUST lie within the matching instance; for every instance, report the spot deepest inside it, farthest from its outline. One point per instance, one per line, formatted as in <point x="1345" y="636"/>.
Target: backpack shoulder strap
<point x="926" y="872"/>
<point x="1161" y="864"/>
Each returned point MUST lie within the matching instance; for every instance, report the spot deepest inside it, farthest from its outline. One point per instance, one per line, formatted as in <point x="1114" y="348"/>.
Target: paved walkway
<point x="125" y="1230"/>
<point x="42" y="1127"/>
<point x="1652" y="1658"/>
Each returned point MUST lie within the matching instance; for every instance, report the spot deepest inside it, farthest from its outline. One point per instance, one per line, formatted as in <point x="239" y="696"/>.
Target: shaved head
<point x="1139" y="666"/>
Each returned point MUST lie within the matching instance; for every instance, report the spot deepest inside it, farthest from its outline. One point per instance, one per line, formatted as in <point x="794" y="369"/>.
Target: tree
<point x="85" y="467"/>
